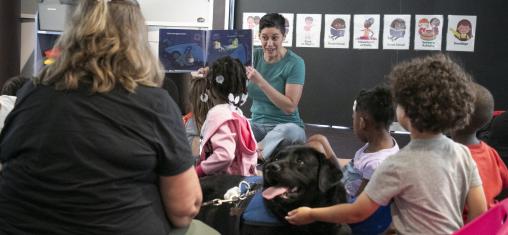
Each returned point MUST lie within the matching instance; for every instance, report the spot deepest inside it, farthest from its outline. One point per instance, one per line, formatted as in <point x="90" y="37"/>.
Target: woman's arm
<point x="286" y="102"/>
<point x="181" y="196"/>
<point x="476" y="202"/>
<point x="348" y="213"/>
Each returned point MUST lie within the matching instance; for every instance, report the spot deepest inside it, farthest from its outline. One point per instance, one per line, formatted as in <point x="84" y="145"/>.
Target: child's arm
<point x="355" y="212"/>
<point x="475" y="202"/>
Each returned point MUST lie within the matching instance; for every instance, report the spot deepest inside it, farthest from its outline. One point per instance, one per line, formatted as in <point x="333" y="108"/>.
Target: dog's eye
<point x="300" y="162"/>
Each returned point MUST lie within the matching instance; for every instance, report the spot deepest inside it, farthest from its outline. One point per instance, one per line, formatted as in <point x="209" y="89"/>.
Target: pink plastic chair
<point x="492" y="222"/>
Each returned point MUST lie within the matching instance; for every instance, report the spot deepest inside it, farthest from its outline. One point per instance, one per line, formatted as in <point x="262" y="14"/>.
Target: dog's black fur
<point x="317" y="180"/>
<point x="219" y="217"/>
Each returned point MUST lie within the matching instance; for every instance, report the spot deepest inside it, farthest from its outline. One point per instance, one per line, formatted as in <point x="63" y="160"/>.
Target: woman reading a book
<point x="106" y="153"/>
<point x="276" y="85"/>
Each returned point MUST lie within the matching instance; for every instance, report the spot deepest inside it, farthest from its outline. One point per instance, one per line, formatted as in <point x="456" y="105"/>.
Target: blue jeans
<point x="272" y="135"/>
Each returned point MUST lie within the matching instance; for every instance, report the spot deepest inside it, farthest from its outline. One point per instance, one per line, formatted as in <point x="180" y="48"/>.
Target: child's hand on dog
<point x="300" y="216"/>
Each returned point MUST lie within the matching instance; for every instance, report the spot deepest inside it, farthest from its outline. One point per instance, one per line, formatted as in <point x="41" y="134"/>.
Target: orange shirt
<point x="187" y="117"/>
<point x="492" y="170"/>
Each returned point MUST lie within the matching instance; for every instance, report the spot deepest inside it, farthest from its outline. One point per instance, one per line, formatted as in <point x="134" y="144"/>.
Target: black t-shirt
<point x="82" y="163"/>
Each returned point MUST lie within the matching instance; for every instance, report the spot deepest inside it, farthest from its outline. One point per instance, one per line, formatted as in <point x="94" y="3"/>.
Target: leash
<point x="237" y="198"/>
<point x="233" y="195"/>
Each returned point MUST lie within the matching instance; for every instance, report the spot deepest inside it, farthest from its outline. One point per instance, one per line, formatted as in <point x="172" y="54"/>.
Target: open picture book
<point x="191" y="49"/>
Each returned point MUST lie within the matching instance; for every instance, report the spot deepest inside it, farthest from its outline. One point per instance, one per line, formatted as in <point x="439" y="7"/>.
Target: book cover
<point x="190" y="49"/>
<point x="182" y="49"/>
<point x="234" y="43"/>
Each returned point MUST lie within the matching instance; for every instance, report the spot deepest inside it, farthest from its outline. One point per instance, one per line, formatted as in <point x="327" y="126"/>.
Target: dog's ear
<point x="329" y="174"/>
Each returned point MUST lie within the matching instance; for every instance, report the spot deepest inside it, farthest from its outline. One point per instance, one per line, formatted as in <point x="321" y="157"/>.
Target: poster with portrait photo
<point x="366" y="31"/>
<point x="251" y="21"/>
<point x="428" y="29"/>
<point x="336" y="31"/>
<point x="290" y="19"/>
<point x="396" y="32"/>
<point x="461" y="33"/>
<point x="308" y="30"/>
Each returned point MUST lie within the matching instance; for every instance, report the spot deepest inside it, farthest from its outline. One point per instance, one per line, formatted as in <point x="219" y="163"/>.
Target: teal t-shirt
<point x="289" y="70"/>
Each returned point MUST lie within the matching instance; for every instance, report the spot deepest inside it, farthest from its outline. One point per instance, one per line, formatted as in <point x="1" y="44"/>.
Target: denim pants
<point x="272" y="135"/>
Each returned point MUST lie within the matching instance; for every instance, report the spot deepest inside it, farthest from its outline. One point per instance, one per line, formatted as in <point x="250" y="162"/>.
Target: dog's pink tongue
<point x="272" y="192"/>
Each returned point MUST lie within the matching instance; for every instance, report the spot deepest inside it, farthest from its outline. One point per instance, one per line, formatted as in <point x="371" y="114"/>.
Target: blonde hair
<point x="105" y="43"/>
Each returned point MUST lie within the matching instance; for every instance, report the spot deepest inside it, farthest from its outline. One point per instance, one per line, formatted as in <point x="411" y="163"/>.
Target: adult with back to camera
<point x="276" y="85"/>
<point x="94" y="145"/>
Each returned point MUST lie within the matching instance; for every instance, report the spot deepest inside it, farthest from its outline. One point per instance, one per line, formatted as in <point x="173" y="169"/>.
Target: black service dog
<point x="294" y="176"/>
<point x="301" y="176"/>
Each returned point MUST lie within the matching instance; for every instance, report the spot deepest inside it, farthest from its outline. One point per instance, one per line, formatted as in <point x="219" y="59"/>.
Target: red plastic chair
<point x="492" y="222"/>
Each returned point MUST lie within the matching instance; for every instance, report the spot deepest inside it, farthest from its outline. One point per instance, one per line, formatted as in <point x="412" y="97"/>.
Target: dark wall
<point x="335" y="76"/>
<point x="10" y="31"/>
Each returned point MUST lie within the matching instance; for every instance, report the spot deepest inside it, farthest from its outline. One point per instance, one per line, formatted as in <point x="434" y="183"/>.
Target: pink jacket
<point x="228" y="144"/>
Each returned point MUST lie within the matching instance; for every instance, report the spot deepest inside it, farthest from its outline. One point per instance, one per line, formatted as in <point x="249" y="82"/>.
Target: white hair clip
<point x="233" y="99"/>
<point x="354" y="106"/>
<point x="203" y="97"/>
<point x="244" y="99"/>
<point x="219" y="79"/>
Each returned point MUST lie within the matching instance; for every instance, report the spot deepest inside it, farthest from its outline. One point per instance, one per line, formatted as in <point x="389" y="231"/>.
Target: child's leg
<point x="343" y="162"/>
<point x="321" y="144"/>
<point x="283" y="134"/>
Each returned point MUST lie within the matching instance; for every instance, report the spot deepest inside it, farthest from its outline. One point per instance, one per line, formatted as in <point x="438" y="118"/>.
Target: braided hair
<point x="226" y="76"/>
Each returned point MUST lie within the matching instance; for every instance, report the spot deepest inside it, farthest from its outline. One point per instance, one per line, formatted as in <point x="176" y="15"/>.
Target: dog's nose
<point x="273" y="167"/>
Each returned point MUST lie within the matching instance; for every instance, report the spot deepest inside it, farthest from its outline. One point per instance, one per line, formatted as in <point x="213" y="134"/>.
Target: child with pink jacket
<point x="227" y="143"/>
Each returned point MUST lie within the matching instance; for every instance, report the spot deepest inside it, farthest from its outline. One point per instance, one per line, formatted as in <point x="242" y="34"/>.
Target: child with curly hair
<point x="492" y="169"/>
<point x="429" y="181"/>
<point x="227" y="143"/>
